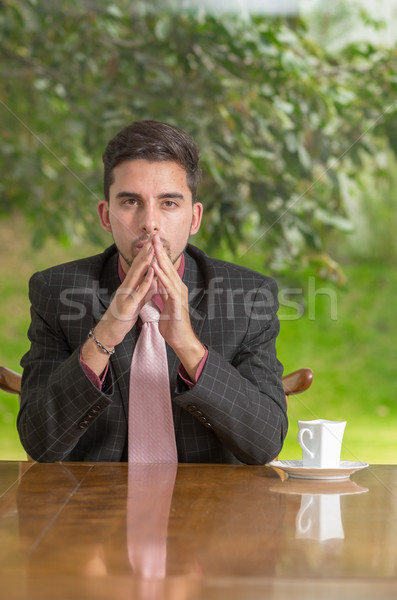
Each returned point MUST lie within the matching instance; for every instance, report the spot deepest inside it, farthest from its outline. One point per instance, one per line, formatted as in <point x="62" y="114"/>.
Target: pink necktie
<point x="151" y="435"/>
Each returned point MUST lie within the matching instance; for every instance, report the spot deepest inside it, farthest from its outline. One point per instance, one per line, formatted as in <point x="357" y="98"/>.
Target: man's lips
<point x="140" y="245"/>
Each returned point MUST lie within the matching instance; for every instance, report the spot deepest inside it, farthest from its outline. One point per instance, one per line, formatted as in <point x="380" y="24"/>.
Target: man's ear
<point x="197" y="216"/>
<point x="103" y="212"/>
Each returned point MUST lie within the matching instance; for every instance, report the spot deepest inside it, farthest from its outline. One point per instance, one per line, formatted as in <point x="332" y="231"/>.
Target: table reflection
<point x="150" y="489"/>
<point x="319" y="516"/>
<point x="101" y="530"/>
<point x="149" y="521"/>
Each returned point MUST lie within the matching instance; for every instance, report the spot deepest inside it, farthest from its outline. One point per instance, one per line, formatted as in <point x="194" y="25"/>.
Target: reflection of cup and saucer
<point x="319" y="516"/>
<point x="315" y="487"/>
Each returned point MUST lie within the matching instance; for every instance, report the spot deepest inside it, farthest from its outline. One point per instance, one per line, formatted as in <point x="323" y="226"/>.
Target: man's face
<point x="147" y="198"/>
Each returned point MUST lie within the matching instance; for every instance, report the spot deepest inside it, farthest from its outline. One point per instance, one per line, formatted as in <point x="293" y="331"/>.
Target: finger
<point x="162" y="290"/>
<point x="130" y="301"/>
<point x="161" y="255"/>
<point x="144" y="286"/>
<point x="163" y="278"/>
<point x="139" y="267"/>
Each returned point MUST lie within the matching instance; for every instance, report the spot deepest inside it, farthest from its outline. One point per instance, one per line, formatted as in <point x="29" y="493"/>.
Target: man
<point x="218" y="321"/>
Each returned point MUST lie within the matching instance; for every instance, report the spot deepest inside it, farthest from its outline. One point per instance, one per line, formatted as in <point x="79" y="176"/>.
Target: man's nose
<point x="150" y="220"/>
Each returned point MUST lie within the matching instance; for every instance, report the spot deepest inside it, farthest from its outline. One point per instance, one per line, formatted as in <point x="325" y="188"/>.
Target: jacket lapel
<point x="120" y="362"/>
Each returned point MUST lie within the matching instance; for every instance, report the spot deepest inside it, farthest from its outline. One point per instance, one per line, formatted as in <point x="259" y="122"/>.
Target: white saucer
<point x="295" y="469"/>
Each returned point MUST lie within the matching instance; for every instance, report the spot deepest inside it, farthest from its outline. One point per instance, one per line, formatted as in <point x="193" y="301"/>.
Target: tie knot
<point x="149" y="312"/>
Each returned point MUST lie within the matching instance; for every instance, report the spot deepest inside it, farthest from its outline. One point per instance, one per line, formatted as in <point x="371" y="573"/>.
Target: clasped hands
<point x="151" y="272"/>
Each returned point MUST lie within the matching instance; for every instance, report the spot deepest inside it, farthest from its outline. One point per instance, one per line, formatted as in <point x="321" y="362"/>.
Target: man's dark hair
<point x="155" y="142"/>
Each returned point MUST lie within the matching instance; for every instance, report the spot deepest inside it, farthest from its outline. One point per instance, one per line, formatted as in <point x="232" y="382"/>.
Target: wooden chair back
<point x="10" y="381"/>
<point x="297" y="382"/>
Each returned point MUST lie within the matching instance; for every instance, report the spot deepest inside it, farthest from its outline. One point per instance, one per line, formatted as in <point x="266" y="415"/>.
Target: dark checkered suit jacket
<point x="236" y="412"/>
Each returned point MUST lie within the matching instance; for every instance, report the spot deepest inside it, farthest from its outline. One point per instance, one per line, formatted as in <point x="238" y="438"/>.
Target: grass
<point x="354" y="362"/>
<point x="346" y="335"/>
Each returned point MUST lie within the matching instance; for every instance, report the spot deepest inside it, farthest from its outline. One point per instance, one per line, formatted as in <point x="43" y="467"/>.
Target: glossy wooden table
<point x="80" y="530"/>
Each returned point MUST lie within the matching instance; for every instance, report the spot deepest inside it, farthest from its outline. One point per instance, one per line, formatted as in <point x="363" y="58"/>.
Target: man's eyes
<point x="135" y="202"/>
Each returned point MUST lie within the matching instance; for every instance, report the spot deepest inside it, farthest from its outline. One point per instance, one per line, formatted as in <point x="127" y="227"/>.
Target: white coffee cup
<point x="321" y="443"/>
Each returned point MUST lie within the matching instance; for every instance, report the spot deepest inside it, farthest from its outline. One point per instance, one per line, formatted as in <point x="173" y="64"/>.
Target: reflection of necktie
<point x="151" y="435"/>
<point x="150" y="489"/>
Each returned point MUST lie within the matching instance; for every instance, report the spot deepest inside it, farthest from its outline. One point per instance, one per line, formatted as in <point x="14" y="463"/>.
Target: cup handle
<point x="302" y="443"/>
<point x="302" y="516"/>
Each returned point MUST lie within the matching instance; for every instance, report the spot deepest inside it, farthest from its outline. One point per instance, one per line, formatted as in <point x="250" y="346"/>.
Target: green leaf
<point x="338" y="221"/>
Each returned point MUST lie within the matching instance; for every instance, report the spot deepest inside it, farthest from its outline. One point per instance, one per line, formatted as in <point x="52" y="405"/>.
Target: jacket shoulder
<point x="85" y="268"/>
<point x="211" y="268"/>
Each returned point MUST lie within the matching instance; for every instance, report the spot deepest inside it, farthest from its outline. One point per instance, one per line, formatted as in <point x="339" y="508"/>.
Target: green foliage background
<point x="298" y="146"/>
<point x="283" y="125"/>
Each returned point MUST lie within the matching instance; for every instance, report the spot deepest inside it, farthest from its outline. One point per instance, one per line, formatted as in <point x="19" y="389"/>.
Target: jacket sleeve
<point x="58" y="400"/>
<point x="239" y="394"/>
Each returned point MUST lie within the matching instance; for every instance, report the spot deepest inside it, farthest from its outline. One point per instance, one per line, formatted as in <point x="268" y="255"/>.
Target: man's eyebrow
<point x="162" y="196"/>
<point x="125" y="194"/>
<point x="171" y="195"/>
